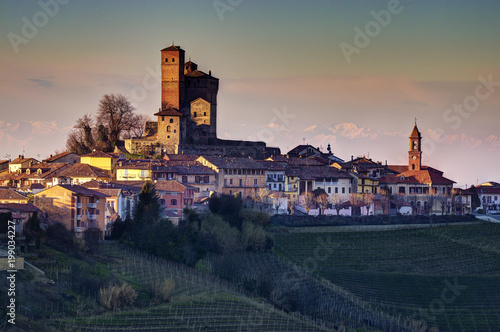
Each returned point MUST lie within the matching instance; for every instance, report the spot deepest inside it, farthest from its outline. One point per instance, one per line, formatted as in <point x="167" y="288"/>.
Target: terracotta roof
<point x="57" y="156"/>
<point x="180" y="157"/>
<point x="234" y="163"/>
<point x="108" y="192"/>
<point x="198" y="73"/>
<point x="173" y="48"/>
<point x="21" y="160"/>
<point x="273" y="166"/>
<point x="77" y="190"/>
<point x="427" y="175"/>
<point x="20" y="207"/>
<point x="99" y="154"/>
<point x="488" y="190"/>
<point x="10" y="194"/>
<point x="4" y="161"/>
<point x="415" y="133"/>
<point x="80" y="170"/>
<point x="198" y="169"/>
<point x="169" y="112"/>
<point x="317" y="172"/>
<point x="170" y="185"/>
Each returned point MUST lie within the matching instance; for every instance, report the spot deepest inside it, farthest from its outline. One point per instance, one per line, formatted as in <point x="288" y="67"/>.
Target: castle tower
<point x="415" y="152"/>
<point x="172" y="77"/>
<point x="170" y="129"/>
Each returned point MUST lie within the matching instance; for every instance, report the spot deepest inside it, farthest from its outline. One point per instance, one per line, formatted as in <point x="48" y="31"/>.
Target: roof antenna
<point x="415" y="121"/>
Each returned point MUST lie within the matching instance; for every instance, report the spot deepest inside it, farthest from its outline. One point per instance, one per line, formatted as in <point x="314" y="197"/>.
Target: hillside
<point x="443" y="278"/>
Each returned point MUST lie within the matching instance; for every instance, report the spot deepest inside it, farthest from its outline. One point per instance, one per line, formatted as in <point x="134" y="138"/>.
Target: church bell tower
<point x="415" y="152"/>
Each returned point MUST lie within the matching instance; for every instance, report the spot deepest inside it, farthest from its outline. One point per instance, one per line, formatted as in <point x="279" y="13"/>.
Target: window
<point x="329" y="190"/>
<point x="230" y="181"/>
<point x="241" y="182"/>
<point x="343" y="190"/>
<point x="169" y="129"/>
<point x="402" y="190"/>
<point x="175" y="131"/>
<point x="204" y="113"/>
<point x="173" y="202"/>
<point x="166" y="60"/>
<point x="173" y="59"/>
<point x="225" y="182"/>
<point x="184" y="179"/>
<point x="336" y="190"/>
<point x="171" y="120"/>
<point x="195" y="115"/>
<point x="349" y="190"/>
<point x="97" y="212"/>
<point x="206" y="179"/>
<point x="413" y="167"/>
<point x="162" y="118"/>
<point x="239" y="172"/>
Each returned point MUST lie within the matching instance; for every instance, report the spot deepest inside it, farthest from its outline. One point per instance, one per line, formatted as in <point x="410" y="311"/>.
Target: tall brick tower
<point x="415" y="152"/>
<point x="172" y="77"/>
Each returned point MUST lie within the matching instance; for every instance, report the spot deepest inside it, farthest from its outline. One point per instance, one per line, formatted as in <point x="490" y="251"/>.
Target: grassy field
<point x="443" y="278"/>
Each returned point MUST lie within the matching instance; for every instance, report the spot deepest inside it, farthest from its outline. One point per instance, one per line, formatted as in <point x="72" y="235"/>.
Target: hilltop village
<point x="191" y="164"/>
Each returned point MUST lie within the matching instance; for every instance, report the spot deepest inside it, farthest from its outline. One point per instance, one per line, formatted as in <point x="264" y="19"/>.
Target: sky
<point x="352" y="74"/>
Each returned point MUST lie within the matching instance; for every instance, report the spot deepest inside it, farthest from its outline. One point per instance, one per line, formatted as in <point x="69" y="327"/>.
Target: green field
<point x="442" y="278"/>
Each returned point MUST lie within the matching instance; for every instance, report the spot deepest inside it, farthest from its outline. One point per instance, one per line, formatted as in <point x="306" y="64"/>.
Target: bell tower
<point x="415" y="152"/>
<point x="172" y="77"/>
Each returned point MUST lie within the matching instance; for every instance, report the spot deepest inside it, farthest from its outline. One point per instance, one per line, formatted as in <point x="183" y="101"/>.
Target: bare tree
<point x="367" y="198"/>
<point x="322" y="200"/>
<point x="307" y="201"/>
<point x="261" y="196"/>
<point x="116" y="114"/>
<point x="355" y="200"/>
<point x="278" y="197"/>
<point x="292" y="203"/>
<point x="337" y="202"/>
<point x="138" y="126"/>
<point x="443" y="202"/>
<point x="384" y="200"/>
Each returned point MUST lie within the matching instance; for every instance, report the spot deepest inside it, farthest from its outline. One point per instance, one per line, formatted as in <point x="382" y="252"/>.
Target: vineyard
<point x="441" y="278"/>
<point x="200" y="302"/>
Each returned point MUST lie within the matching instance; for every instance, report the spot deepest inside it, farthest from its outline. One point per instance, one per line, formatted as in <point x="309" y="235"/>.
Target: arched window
<point x="171" y="120"/>
<point x="413" y="167"/>
<point x="168" y="129"/>
<point x="204" y="113"/>
<point x="173" y="59"/>
<point x="173" y="202"/>
<point x="166" y="60"/>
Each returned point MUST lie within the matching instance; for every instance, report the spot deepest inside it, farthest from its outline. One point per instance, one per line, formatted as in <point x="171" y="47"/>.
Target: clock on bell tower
<point x="415" y="152"/>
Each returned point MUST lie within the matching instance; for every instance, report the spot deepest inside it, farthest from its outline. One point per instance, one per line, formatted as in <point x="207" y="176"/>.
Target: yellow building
<point x="103" y="160"/>
<point x="292" y="183"/>
<point x="134" y="170"/>
<point x="82" y="208"/>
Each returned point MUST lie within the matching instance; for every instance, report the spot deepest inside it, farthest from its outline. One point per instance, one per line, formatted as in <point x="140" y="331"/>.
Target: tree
<point x="367" y="198"/>
<point x="384" y="200"/>
<point x="475" y="201"/>
<point x="337" y="202"/>
<point x="148" y="206"/>
<point x="138" y="126"/>
<point x="115" y="113"/>
<point x="260" y="196"/>
<point x="278" y="197"/>
<point x="292" y="203"/>
<point x="322" y="200"/>
<point x="307" y="201"/>
<point x="355" y="200"/>
<point x="443" y="202"/>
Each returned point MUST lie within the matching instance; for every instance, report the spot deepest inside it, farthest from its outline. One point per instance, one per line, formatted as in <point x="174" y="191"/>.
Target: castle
<point x="187" y="120"/>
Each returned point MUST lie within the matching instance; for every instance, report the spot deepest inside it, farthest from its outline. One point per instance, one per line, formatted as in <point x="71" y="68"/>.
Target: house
<point x="103" y="160"/>
<point x="489" y="195"/>
<point x="275" y="175"/>
<point x="64" y="157"/>
<point x="243" y="176"/>
<point x="124" y="201"/>
<point x="137" y="169"/>
<point x="80" y="173"/>
<point x="82" y="208"/>
<point x="333" y="181"/>
<point x="174" y="196"/>
<point x="307" y="151"/>
<point x="114" y="202"/>
<point x="21" y="162"/>
<point x="201" y="178"/>
<point x="41" y="174"/>
<point x="12" y="196"/>
<point x="4" y="165"/>
<point x="21" y="213"/>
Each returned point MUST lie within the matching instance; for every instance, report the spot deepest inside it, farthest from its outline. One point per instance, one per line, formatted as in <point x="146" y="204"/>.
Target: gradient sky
<point x="272" y="58"/>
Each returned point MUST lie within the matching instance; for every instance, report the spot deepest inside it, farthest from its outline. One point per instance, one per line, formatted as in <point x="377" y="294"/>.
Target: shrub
<point x="117" y="297"/>
<point x="162" y="291"/>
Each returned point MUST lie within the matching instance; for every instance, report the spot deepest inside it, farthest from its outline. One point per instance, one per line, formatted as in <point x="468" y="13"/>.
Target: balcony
<point x="79" y="217"/>
<point x="91" y="216"/>
<point x="78" y="205"/>
<point x="92" y="205"/>
<point x="78" y="229"/>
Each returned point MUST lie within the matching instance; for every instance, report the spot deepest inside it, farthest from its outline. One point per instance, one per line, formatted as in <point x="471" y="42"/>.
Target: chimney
<point x="352" y="157"/>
